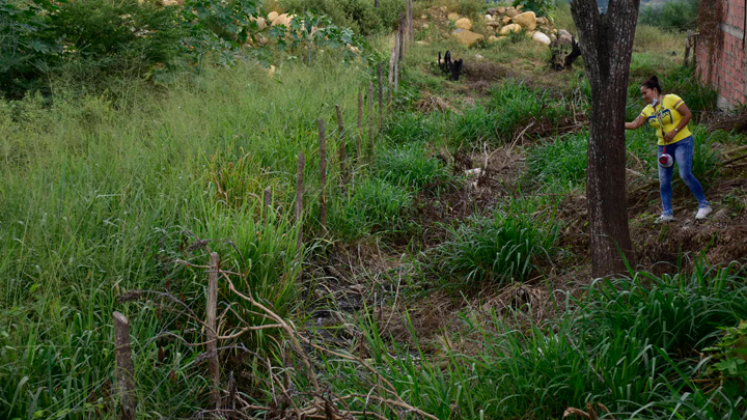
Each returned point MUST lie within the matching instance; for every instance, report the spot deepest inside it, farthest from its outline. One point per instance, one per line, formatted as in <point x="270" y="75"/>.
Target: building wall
<point x="727" y="69"/>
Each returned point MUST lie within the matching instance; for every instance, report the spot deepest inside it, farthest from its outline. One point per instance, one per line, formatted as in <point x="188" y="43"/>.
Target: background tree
<point x="606" y="41"/>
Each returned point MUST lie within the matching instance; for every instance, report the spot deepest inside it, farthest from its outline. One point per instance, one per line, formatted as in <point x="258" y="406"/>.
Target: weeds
<point x="506" y="247"/>
<point x="411" y="166"/>
<point x="376" y="206"/>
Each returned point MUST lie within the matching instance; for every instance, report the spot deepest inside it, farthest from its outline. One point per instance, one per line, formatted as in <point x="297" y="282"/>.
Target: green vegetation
<point x="672" y="15"/>
<point x="500" y="249"/>
<point x="468" y="296"/>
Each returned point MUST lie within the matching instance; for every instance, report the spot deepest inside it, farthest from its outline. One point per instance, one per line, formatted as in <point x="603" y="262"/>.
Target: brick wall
<point x="727" y="69"/>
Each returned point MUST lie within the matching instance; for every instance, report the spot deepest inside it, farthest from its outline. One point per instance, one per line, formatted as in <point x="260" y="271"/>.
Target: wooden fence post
<point x="342" y="147"/>
<point x="125" y="373"/>
<point x="370" y="120"/>
<point x="323" y="169"/>
<point x="381" y="98"/>
<point x="410" y="26"/>
<point x="299" y="198"/>
<point x="360" y="126"/>
<point x="267" y="205"/>
<point x="392" y="68"/>
<point x="688" y="45"/>
<point x="212" y="333"/>
<point x="400" y="34"/>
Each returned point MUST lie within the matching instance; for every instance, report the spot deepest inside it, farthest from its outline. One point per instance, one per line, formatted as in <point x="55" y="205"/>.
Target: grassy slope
<point x="94" y="197"/>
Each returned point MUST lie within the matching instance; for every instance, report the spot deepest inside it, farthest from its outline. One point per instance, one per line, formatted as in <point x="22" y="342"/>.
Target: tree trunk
<point x="606" y="42"/>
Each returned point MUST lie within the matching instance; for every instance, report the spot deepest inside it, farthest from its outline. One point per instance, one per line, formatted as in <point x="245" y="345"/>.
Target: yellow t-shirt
<point x="667" y="112"/>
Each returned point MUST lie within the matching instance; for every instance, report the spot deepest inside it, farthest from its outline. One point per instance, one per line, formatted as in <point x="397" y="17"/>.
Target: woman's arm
<point x="637" y="123"/>
<point x="687" y="115"/>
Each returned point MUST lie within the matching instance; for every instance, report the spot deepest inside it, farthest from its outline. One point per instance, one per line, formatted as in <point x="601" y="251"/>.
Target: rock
<point x="494" y="24"/>
<point x="542" y="21"/>
<point x="261" y="22"/>
<point x="721" y="216"/>
<point x="272" y="16"/>
<point x="424" y="17"/>
<point x="565" y="37"/>
<point x="541" y="38"/>
<point x="170" y="2"/>
<point x="262" y="40"/>
<point x="425" y="26"/>
<point x="510" y="28"/>
<point x="283" y="19"/>
<point x="506" y="20"/>
<point x="511" y="12"/>
<point x="519" y="7"/>
<point x="422" y="43"/>
<point x="530" y="34"/>
<point x="271" y="71"/>
<point x="479" y="57"/>
<point x="464" y="23"/>
<point x="488" y="18"/>
<point x="553" y="38"/>
<point x="466" y="37"/>
<point x="492" y="39"/>
<point x="454" y="16"/>
<point x="501" y="10"/>
<point x="492" y="10"/>
<point x="527" y="20"/>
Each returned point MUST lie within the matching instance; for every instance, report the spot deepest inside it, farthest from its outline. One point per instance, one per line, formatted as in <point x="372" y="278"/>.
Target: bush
<point x="28" y="48"/>
<point x="680" y="14"/>
<point x="359" y="15"/>
<point x="503" y="248"/>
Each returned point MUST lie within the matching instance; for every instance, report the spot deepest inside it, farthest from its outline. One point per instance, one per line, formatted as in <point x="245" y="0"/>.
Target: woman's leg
<point x="665" y="182"/>
<point x="684" y="158"/>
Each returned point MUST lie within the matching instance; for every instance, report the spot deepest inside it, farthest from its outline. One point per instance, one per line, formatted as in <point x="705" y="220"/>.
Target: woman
<point x="669" y="115"/>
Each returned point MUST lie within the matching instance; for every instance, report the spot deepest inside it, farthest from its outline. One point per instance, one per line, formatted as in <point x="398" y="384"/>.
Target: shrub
<point x="503" y="248"/>
<point x="28" y="48"/>
<point x="359" y="15"/>
<point x="680" y="14"/>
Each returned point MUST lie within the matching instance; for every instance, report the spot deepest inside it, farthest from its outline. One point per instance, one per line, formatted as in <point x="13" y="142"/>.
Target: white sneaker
<point x="703" y="213"/>
<point x="665" y="218"/>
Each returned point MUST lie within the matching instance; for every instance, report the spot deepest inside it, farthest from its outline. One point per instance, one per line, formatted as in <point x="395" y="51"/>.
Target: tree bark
<point x="606" y="42"/>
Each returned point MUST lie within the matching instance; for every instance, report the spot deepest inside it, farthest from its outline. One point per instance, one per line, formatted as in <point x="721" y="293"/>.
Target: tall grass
<point x="630" y="344"/>
<point x="506" y="247"/>
<point x="94" y="196"/>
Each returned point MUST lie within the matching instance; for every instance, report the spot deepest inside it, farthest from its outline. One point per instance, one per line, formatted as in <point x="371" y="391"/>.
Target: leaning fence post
<point x="342" y="147"/>
<point x="360" y="126"/>
<point x="323" y="169"/>
<point x="212" y="333"/>
<point x="125" y="373"/>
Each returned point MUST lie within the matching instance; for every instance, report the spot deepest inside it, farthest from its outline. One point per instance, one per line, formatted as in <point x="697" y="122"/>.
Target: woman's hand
<point x="637" y="123"/>
<point x="670" y="136"/>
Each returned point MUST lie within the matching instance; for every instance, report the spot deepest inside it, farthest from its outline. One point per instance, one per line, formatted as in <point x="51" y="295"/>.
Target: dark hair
<point x="652" y="83"/>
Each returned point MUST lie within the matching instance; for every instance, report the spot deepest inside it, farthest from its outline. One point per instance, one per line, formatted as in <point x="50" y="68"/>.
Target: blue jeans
<point x="682" y="152"/>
